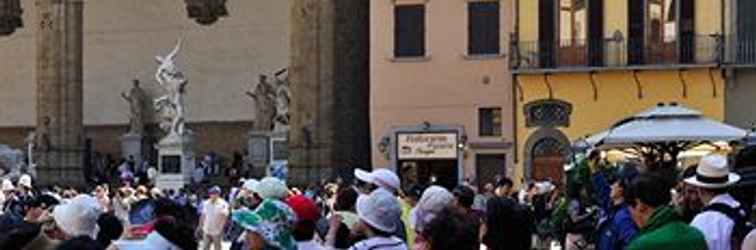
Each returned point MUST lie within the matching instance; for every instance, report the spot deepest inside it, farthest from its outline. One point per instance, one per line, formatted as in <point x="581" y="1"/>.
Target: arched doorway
<point x="548" y="159"/>
<point x="546" y="152"/>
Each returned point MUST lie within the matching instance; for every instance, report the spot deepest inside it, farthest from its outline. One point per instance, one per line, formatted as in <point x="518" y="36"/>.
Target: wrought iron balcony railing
<point x="740" y="50"/>
<point x="616" y="53"/>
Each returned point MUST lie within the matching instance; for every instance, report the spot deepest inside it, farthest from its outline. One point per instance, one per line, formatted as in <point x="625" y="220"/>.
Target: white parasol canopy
<point x="667" y="123"/>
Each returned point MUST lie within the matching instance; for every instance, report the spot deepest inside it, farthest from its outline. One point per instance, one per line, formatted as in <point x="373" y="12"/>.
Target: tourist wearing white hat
<point x="78" y="217"/>
<point x="380" y="178"/>
<point x="712" y="179"/>
<point x="214" y="217"/>
<point x="379" y="213"/>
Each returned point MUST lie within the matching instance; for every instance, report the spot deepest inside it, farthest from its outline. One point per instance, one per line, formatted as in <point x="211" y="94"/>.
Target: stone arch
<point x="545" y="139"/>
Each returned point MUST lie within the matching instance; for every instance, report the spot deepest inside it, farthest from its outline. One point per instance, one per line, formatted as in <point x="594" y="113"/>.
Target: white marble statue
<point x="264" y="96"/>
<point x="171" y="105"/>
<point x="282" y="100"/>
<point x="30" y="163"/>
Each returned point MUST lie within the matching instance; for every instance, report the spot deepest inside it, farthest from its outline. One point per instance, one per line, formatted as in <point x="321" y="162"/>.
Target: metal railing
<point x="681" y="50"/>
<point x="740" y="50"/>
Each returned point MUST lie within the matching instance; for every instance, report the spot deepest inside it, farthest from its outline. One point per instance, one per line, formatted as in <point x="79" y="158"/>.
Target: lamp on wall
<point x="383" y="146"/>
<point x="462" y="142"/>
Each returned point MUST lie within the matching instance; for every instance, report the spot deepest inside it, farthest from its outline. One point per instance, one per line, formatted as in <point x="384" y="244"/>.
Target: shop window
<point x="483" y="28"/>
<point x="490" y="121"/>
<point x="409" y="30"/>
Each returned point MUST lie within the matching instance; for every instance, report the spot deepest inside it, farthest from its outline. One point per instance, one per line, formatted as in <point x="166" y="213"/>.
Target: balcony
<point x="740" y="51"/>
<point x="616" y="54"/>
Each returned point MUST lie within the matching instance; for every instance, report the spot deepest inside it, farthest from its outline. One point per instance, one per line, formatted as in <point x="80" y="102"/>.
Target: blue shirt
<point x="617" y="230"/>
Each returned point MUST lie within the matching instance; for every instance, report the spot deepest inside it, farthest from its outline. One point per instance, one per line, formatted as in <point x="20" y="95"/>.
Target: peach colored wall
<point x="444" y="88"/>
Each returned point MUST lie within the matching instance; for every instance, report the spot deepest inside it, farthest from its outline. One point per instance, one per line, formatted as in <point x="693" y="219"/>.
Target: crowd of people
<point x="626" y="207"/>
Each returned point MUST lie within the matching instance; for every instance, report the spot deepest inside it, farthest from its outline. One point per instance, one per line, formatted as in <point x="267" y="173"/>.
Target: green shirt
<point x="666" y="231"/>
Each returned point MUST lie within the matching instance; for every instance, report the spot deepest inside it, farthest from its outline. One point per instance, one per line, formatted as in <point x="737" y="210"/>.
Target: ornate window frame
<point x="534" y="116"/>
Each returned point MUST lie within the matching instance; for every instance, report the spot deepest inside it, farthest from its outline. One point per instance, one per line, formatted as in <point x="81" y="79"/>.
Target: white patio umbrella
<point x="670" y="123"/>
<point x="666" y="129"/>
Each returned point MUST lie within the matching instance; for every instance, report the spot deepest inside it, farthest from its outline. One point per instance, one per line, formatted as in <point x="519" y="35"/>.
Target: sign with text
<point x="422" y="146"/>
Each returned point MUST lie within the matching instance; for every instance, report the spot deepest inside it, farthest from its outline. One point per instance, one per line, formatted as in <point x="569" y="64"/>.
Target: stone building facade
<point x="330" y="127"/>
<point x="225" y="49"/>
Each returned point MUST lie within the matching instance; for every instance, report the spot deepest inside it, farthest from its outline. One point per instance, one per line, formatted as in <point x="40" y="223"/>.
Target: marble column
<point x="60" y="130"/>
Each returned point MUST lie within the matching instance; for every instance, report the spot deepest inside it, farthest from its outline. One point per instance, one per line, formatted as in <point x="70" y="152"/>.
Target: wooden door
<point x="548" y="160"/>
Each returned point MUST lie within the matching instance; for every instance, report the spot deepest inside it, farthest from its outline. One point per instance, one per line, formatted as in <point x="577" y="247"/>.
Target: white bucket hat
<point x="433" y="200"/>
<point x="250" y="185"/>
<point x="271" y="187"/>
<point x="79" y="216"/>
<point x="380" y="210"/>
<point x="381" y="177"/>
<point x="713" y="172"/>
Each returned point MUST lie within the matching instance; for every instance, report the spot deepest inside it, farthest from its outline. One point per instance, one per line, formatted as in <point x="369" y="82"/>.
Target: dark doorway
<point x="636" y="32"/>
<point x="596" y="32"/>
<point x="437" y="172"/>
<point x="546" y="33"/>
<point x="548" y="160"/>
<point x="687" y="48"/>
<point x="488" y="167"/>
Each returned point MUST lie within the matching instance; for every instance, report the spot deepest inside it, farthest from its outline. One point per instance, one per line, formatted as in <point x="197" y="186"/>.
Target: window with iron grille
<point x="483" y="28"/>
<point x="409" y="30"/>
<point x="490" y="121"/>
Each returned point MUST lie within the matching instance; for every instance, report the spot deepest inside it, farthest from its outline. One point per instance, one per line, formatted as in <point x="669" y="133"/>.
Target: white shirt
<point x="309" y="245"/>
<point x="715" y="226"/>
<point x="152" y="173"/>
<point x="154" y="241"/>
<point x="216" y="215"/>
<point x="380" y="243"/>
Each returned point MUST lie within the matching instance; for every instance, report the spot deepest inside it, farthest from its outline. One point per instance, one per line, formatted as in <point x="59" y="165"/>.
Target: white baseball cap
<point x="381" y="177"/>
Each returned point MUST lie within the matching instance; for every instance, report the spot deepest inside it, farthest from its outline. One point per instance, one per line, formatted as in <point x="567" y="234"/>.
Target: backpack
<point x="742" y="226"/>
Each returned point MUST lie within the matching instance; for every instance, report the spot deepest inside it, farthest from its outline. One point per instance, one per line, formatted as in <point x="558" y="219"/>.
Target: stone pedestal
<point x="131" y="145"/>
<point x="176" y="161"/>
<point x="258" y="148"/>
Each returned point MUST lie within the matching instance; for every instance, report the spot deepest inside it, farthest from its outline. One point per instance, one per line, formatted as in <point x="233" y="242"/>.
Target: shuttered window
<point x="483" y="30"/>
<point x="409" y="31"/>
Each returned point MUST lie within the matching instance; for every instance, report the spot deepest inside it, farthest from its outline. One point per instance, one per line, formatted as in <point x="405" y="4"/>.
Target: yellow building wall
<point x="617" y="98"/>
<point x="708" y="17"/>
<point x="528" y="20"/>
<point x="615" y="17"/>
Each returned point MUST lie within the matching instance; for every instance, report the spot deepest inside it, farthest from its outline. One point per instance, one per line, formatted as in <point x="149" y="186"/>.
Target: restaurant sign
<point x="421" y="146"/>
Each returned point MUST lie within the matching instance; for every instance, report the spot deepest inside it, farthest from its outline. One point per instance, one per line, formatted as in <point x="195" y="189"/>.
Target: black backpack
<point x="740" y="216"/>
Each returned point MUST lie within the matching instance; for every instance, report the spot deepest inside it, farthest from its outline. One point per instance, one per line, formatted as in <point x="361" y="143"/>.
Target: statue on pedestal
<point x="264" y="96"/>
<point x="135" y="98"/>
<point x="171" y="105"/>
<point x="283" y="98"/>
